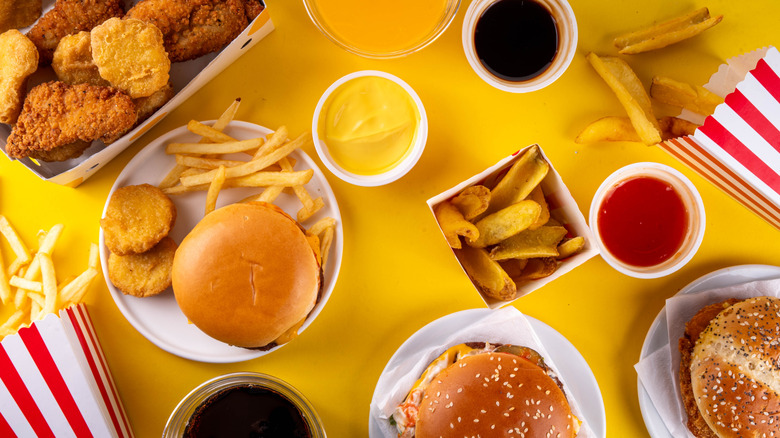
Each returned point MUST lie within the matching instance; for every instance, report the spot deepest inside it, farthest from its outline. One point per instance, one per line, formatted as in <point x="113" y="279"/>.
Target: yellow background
<point x="398" y="273"/>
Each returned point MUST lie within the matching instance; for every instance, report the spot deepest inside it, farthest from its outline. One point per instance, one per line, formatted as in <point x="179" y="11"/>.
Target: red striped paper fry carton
<point x="54" y="381"/>
<point x="737" y="148"/>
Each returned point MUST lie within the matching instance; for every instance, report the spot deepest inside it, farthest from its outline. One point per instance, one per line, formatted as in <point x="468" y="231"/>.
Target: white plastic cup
<point x="693" y="205"/>
<point x="402" y="168"/>
<point x="566" y="23"/>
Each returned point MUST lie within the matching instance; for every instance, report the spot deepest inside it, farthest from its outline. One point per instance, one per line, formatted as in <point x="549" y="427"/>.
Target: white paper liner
<point x="658" y="372"/>
<point x="504" y="326"/>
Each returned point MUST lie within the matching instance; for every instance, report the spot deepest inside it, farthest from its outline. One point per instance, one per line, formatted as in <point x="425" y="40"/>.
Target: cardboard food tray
<point x="737" y="148"/>
<point x="54" y="380"/>
<point x="562" y="206"/>
<point x="186" y="78"/>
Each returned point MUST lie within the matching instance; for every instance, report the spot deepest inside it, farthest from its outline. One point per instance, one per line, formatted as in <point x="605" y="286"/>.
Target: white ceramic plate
<point x="158" y="318"/>
<point x="658" y="335"/>
<point x="571" y="365"/>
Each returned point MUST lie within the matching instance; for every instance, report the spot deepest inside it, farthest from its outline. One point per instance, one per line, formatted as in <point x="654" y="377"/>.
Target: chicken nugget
<point x="73" y="62"/>
<point x="145" y="274"/>
<point x="137" y="218"/>
<point x="56" y="114"/>
<point x="18" y="60"/>
<point x="130" y="54"/>
<point x="146" y="106"/>
<point x="69" y="17"/>
<point x="16" y="14"/>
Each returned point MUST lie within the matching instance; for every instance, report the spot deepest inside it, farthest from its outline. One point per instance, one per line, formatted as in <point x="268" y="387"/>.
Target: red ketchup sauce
<point x="643" y="221"/>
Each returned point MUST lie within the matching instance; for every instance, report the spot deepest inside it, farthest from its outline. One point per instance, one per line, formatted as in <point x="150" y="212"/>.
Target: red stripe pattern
<point x="17" y="389"/>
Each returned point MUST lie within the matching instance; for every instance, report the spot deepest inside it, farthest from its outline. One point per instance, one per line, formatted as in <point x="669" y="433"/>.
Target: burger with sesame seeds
<point x="730" y="369"/>
<point x="480" y="389"/>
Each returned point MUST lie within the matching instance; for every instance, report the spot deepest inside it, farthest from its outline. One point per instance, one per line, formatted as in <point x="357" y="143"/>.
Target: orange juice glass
<point x="380" y="29"/>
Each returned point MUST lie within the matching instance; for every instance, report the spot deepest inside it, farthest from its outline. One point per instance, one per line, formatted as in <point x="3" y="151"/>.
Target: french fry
<point x="693" y="98"/>
<point x="525" y="174"/>
<point x="486" y="274"/>
<point x="74" y="291"/>
<point x="251" y="166"/>
<point x="453" y="225"/>
<point x="205" y="163"/>
<point x="631" y="94"/>
<point x="49" y="281"/>
<point x="472" y="201"/>
<point x="172" y="177"/>
<point x="505" y="223"/>
<point x="209" y="133"/>
<point x="673" y="127"/>
<point x="541" y="242"/>
<point x="321" y="225"/>
<point x="668" y="32"/>
<point x="325" y="242"/>
<point x="278" y="138"/>
<point x="18" y="247"/>
<point x="569" y="247"/>
<point x="310" y="206"/>
<point x="258" y="179"/>
<point x="214" y="188"/>
<point x="94" y="256"/>
<point x="213" y="148"/>
<point x="47" y="247"/>
<point x="5" y="287"/>
<point x="20" y="282"/>
<point x="227" y="116"/>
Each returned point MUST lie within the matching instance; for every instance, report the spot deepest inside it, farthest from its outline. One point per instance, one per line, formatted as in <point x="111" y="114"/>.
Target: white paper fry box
<point x="186" y="78"/>
<point x="54" y="381"/>
<point x="562" y="206"/>
<point x="737" y="148"/>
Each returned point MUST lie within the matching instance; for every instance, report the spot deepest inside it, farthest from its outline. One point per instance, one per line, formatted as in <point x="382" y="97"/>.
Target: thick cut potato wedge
<point x="486" y="274"/>
<point x="537" y="268"/>
<point x="668" y="32"/>
<point x="617" y="128"/>
<point x="542" y="242"/>
<point x="631" y="93"/>
<point x="454" y="225"/>
<point x="569" y="247"/>
<point x="537" y="195"/>
<point x="525" y="174"/>
<point x="505" y="223"/>
<point x="693" y="98"/>
<point x="472" y="201"/>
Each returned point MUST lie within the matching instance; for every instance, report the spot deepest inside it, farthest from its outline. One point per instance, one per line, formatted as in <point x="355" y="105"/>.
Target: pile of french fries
<point x="506" y="235"/>
<point x="28" y="285"/>
<point x="219" y="161"/>
<point x="641" y="125"/>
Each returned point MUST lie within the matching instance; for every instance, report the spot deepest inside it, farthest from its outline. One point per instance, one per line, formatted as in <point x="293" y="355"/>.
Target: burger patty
<point x="693" y="330"/>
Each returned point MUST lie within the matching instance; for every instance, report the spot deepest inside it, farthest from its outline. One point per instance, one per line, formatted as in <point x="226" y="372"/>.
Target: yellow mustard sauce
<point x="369" y="125"/>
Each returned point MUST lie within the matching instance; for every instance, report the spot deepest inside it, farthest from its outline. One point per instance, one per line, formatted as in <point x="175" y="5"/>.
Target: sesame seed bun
<point x="246" y="275"/>
<point x="735" y="370"/>
<point x="491" y="394"/>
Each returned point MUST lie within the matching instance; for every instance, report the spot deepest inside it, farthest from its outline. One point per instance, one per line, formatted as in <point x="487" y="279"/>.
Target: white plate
<point x="158" y="318"/>
<point x="658" y="336"/>
<point x="571" y="365"/>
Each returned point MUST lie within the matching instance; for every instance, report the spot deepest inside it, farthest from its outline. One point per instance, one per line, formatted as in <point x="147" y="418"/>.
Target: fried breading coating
<point x="16" y="14"/>
<point x="130" y="54"/>
<point x="145" y="274"/>
<point x="192" y="28"/>
<point x="73" y="62"/>
<point x="56" y="114"/>
<point x="146" y="106"/>
<point x="18" y="60"/>
<point x="137" y="218"/>
<point x="69" y="17"/>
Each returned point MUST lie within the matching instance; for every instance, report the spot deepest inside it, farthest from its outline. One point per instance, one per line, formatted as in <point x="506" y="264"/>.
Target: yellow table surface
<point x="398" y="273"/>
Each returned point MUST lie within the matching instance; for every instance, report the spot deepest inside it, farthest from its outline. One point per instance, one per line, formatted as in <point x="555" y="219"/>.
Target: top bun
<point x="735" y="370"/>
<point x="490" y="394"/>
<point x="246" y="275"/>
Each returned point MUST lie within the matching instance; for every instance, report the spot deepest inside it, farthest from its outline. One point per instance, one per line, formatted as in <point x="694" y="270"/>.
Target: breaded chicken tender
<point x="145" y="274"/>
<point x="192" y="28"/>
<point x="130" y="55"/>
<point x="16" y="14"/>
<point x="18" y="60"/>
<point x="56" y="114"/>
<point x="137" y="218"/>
<point x="72" y="62"/>
<point x="69" y="17"/>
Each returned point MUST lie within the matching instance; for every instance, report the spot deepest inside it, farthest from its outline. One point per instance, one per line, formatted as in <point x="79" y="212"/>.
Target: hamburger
<point x="247" y="275"/>
<point x="730" y="369"/>
<point x="479" y="389"/>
